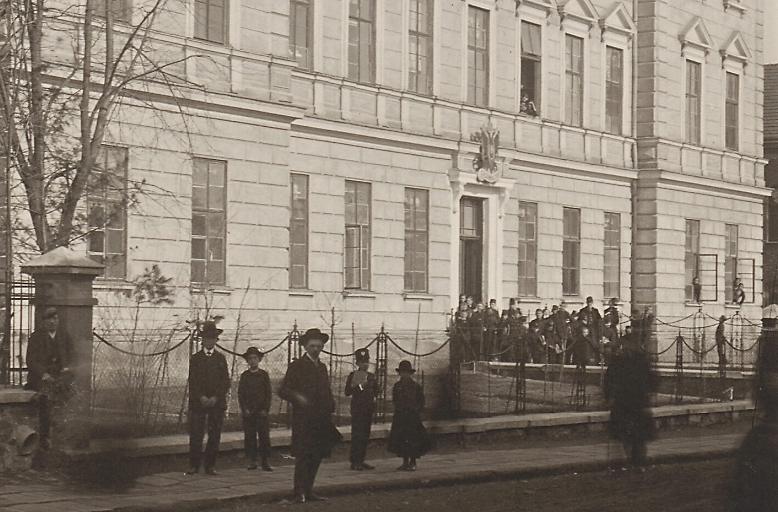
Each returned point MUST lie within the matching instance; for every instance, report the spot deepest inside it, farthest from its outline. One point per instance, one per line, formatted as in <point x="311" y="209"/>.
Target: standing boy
<point x="254" y="392"/>
<point x="362" y="387"/>
<point x="209" y="383"/>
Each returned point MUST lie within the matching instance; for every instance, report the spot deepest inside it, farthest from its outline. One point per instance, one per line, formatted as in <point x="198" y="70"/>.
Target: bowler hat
<point x="209" y="329"/>
<point x="255" y="351"/>
<point x="313" y="334"/>
<point x="405" y="366"/>
<point x="362" y="354"/>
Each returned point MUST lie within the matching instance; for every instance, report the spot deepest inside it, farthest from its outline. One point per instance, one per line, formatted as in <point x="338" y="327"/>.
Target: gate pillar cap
<point x="62" y="261"/>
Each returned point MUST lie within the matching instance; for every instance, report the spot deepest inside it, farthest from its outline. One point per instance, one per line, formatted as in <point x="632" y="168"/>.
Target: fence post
<point x="63" y="279"/>
<point x="679" y="368"/>
<point x="382" y="361"/>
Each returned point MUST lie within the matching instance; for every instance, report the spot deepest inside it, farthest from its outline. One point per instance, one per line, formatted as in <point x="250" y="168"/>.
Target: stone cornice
<point x="697" y="183"/>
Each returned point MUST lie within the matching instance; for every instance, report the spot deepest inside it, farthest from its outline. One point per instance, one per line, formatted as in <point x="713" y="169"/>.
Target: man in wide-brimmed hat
<point x="209" y="383"/>
<point x="307" y="386"/>
<point x="254" y="393"/>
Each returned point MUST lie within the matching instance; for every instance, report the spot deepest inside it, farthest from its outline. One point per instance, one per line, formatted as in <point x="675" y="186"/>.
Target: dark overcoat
<point x="209" y="377"/>
<point x="313" y="432"/>
<point x="629" y="382"/>
<point x="408" y="437"/>
<point x="46" y="355"/>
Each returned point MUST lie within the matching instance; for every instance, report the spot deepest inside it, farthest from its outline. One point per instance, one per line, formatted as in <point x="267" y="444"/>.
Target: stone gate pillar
<point x="63" y="279"/>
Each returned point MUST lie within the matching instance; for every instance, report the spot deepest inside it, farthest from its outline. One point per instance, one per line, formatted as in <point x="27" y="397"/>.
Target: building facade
<point x="381" y="157"/>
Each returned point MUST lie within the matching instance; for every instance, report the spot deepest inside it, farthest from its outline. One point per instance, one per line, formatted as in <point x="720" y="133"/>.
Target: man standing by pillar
<point x="307" y="386"/>
<point x="48" y="355"/>
<point x="209" y="383"/>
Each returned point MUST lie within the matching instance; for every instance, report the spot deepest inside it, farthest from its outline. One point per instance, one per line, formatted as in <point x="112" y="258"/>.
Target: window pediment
<point x="736" y="6"/>
<point x="579" y="10"/>
<point x="544" y="5"/>
<point x="617" y="19"/>
<point x="736" y="49"/>
<point x="695" y="35"/>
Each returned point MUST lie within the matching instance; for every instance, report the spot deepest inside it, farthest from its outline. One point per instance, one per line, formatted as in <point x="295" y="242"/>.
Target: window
<point x="614" y="90"/>
<point x="573" y="80"/>
<point x="416" y="239"/>
<point x="530" y="68"/>
<point x="300" y="26"/>
<point x="571" y="251"/>
<point x="693" y="101"/>
<point x="732" y="111"/>
<point x="298" y="233"/>
<point x="357" y="235"/>
<point x="106" y="200"/>
<point x="361" y="40"/>
<point x="420" y="47"/>
<point x="692" y="260"/>
<point x="612" y="256"/>
<point x="210" y="19"/>
<point x="528" y="249"/>
<point x="209" y="221"/>
<point x="477" y="57"/>
<point x="120" y="9"/>
<point x="730" y="260"/>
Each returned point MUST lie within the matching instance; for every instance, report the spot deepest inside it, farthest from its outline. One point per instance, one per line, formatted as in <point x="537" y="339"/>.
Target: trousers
<point x="256" y="436"/>
<point x="213" y="418"/>
<point x="361" y="423"/>
<point x="305" y="469"/>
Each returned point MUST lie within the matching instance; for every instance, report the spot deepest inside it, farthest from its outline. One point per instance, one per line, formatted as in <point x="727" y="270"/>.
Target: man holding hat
<point x="362" y="387"/>
<point x="254" y="392"/>
<point x="209" y="383"/>
<point x="48" y="356"/>
<point x="307" y="387"/>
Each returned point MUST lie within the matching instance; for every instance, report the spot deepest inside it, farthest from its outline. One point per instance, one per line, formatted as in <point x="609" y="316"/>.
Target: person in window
<point x="48" y="354"/>
<point x="740" y="294"/>
<point x="696" y="290"/>
<point x="362" y="387"/>
<point x="306" y="386"/>
<point x="254" y="394"/>
<point x="527" y="106"/>
<point x="209" y="383"/>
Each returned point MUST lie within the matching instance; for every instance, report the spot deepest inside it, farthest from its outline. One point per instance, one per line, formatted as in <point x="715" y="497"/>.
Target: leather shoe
<point x="253" y="465"/>
<point x="210" y="471"/>
<point x="45" y="443"/>
<point x="367" y="466"/>
<point x="314" y="497"/>
<point x="411" y="467"/>
<point x="192" y="470"/>
<point x="404" y="467"/>
<point x="300" y="498"/>
<point x="357" y="467"/>
<point x="266" y="466"/>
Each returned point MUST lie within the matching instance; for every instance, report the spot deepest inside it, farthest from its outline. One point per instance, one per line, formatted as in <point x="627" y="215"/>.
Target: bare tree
<point x="64" y="71"/>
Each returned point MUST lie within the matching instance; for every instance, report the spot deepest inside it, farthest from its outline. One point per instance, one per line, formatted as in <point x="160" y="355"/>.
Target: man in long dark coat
<point x="48" y="356"/>
<point x="209" y="383"/>
<point x="307" y="386"/>
<point x="629" y="381"/>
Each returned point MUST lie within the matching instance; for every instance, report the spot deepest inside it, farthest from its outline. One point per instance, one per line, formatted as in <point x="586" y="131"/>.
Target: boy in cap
<point x="254" y="392"/>
<point x="48" y="356"/>
<point x="362" y="387"/>
<point x="307" y="386"/>
<point x="408" y="438"/>
<point x="209" y="383"/>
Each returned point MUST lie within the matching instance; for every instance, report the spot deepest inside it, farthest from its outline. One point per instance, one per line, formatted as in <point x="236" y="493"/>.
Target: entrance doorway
<point x="471" y="247"/>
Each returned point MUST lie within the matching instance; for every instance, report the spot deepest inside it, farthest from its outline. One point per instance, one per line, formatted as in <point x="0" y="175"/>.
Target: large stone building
<point x="328" y="158"/>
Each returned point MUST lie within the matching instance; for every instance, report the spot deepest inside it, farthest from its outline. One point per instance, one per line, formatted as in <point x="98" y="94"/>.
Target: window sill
<point x="417" y="296"/>
<point x="216" y="290"/>
<point x="113" y="284"/>
<point x="529" y="300"/>
<point x="358" y="294"/>
<point x="300" y="293"/>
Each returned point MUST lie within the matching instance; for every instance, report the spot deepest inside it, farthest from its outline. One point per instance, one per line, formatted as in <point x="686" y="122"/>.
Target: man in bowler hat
<point x="254" y="394"/>
<point x="209" y="383"/>
<point x="48" y="355"/>
<point x="362" y="387"/>
<point x="307" y="387"/>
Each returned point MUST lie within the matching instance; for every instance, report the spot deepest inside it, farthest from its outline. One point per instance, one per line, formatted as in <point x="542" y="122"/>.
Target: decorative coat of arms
<point x="485" y="163"/>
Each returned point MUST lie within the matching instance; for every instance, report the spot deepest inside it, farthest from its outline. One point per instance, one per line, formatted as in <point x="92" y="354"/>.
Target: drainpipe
<point x="634" y="185"/>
